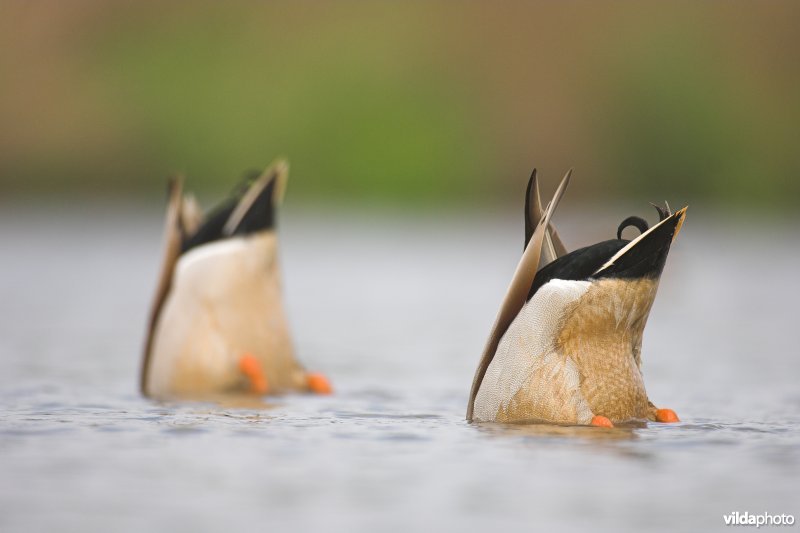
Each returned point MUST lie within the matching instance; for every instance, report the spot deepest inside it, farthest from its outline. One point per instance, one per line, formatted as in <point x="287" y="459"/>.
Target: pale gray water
<point x="396" y="311"/>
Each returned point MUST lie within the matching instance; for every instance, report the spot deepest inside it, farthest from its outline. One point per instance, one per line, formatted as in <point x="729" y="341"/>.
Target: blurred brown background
<point x="424" y="102"/>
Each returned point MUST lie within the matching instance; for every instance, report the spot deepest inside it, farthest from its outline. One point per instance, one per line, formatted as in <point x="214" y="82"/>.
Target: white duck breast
<point x="225" y="301"/>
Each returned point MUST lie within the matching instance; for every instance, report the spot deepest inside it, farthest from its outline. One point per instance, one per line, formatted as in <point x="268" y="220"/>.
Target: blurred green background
<point x="406" y="102"/>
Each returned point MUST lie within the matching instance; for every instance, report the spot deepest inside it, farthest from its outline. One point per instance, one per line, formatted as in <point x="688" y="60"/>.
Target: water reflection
<point x="223" y="401"/>
<point x="618" y="433"/>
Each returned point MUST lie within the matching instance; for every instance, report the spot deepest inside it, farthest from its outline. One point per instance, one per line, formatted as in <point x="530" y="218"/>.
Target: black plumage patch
<point x="260" y="215"/>
<point x="577" y="265"/>
<point x="645" y="259"/>
<point x="211" y="229"/>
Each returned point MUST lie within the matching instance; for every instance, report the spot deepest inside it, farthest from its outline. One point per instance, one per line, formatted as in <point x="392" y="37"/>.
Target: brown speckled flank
<point x="599" y="338"/>
<point x="603" y="335"/>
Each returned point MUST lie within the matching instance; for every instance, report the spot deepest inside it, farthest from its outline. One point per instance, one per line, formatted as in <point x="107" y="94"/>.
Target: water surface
<point x="395" y="310"/>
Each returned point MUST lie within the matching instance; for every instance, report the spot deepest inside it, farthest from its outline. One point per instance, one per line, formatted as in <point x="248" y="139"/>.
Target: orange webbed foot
<point x="251" y="368"/>
<point x="601" y="421"/>
<point x="318" y="383"/>
<point x="666" y="415"/>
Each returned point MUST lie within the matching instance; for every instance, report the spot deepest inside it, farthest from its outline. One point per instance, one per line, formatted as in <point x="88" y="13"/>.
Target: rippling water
<point x="395" y="311"/>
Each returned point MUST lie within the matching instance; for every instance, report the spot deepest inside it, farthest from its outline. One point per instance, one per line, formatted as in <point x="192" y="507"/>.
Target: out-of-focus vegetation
<point x="405" y="101"/>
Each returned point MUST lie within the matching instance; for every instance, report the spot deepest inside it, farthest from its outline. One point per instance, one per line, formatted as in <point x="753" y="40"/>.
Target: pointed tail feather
<point x="172" y="250"/>
<point x="553" y="247"/>
<point x="517" y="291"/>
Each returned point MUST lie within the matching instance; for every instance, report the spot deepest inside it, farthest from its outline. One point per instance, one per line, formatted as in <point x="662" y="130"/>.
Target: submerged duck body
<point x="217" y="324"/>
<point x="566" y="346"/>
